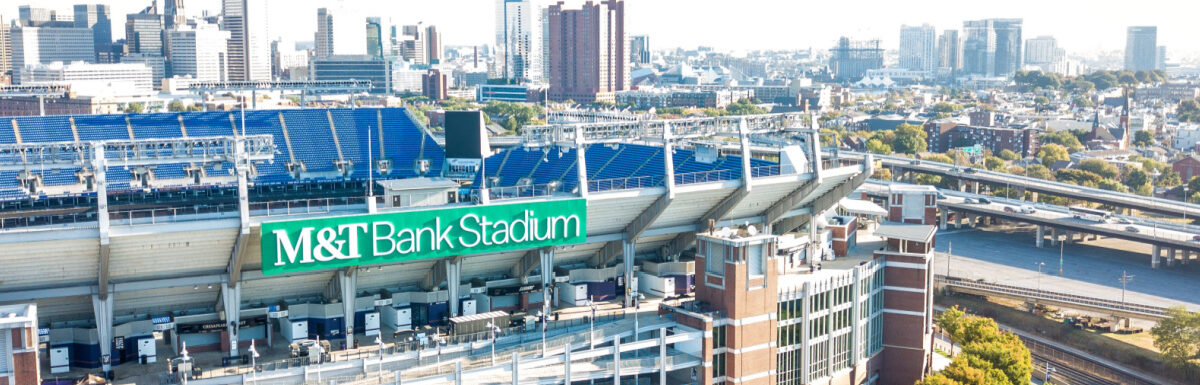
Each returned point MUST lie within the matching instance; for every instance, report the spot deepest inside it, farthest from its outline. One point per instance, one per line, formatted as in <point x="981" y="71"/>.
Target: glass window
<point x="715" y="259"/>
<point x="755" y="260"/>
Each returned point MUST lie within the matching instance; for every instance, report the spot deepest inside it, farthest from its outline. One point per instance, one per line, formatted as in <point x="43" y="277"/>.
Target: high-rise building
<point x="342" y="30"/>
<point x="588" y="51"/>
<point x="1141" y="48"/>
<point x="39" y="45"/>
<point x="199" y="51"/>
<point x="412" y="45"/>
<point x="96" y="17"/>
<point x="356" y="67"/>
<point x="1161" y="58"/>
<point x="28" y="16"/>
<point x="918" y="48"/>
<point x="992" y="47"/>
<point x="249" y="49"/>
<point x="323" y="38"/>
<point x="173" y="13"/>
<point x="93" y="79"/>
<point x="433" y="84"/>
<point x="950" y="52"/>
<point x="144" y="33"/>
<point x="852" y="58"/>
<point x="5" y="49"/>
<point x="433" y="45"/>
<point x="519" y="44"/>
<point x="374" y="37"/>
<point x="639" y="47"/>
<point x="1043" y="52"/>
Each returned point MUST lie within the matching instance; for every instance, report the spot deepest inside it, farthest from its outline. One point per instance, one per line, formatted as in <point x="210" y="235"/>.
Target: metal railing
<point x="1147" y="310"/>
<point x="305" y="206"/>
<point x="629" y="183"/>
<point x="513" y="192"/>
<point x="772" y="170"/>
<point x="839" y="162"/>
<point x="706" y="176"/>
<point x="172" y="214"/>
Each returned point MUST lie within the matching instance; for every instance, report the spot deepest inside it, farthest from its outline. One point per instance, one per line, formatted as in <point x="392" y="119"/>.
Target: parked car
<point x="1027" y="209"/>
<point x="985" y="201"/>
<point x="970" y="201"/>
<point x="1131" y="229"/>
<point x="941" y="196"/>
<point x="1009" y="209"/>
<point x="1196" y="238"/>
<point x="1123" y="221"/>
<point x="969" y="170"/>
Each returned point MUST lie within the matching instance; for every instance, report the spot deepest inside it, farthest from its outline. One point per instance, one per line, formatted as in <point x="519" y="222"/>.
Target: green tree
<point x="1178" y="335"/>
<point x="1188" y="110"/>
<point x="1143" y="138"/>
<point x="938" y="158"/>
<point x="1136" y="179"/>
<point x="744" y="107"/>
<point x="134" y="108"/>
<point x="1194" y="184"/>
<point x="994" y="163"/>
<point x="1168" y="179"/>
<point x="989" y="355"/>
<point x="1039" y="171"/>
<point x="1112" y="185"/>
<point x="1051" y="153"/>
<point x="176" y="106"/>
<point x="1099" y="167"/>
<point x="877" y="147"/>
<point x="1079" y="177"/>
<point x="910" y="139"/>
<point x="1082" y="102"/>
<point x="1063" y="138"/>
<point x="1009" y="155"/>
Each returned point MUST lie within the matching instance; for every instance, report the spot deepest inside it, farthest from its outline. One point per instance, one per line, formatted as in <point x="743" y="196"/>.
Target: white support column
<point x="662" y="355"/>
<point x="1171" y="257"/>
<point x="816" y="146"/>
<point x="1154" y="253"/>
<point x="458" y="373"/>
<point x="547" y="266"/>
<point x="103" y="309"/>
<point x="744" y="140"/>
<point x="567" y="363"/>
<point x="100" y="184"/>
<point x="1041" y="236"/>
<point x="669" y="160"/>
<point x="581" y="162"/>
<point x="616" y="360"/>
<point x="516" y="364"/>
<point x="943" y="216"/>
<point x="1053" y="236"/>
<point x="855" y="316"/>
<point x="628" y="250"/>
<point x="231" y="299"/>
<point x="348" y="279"/>
<point x="453" y="281"/>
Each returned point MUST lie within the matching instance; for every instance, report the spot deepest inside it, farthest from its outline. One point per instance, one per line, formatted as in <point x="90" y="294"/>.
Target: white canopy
<point x="861" y="207"/>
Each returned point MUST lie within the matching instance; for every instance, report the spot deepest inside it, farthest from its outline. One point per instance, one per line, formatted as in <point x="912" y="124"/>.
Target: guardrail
<point x="624" y="183"/>
<point x="514" y="192"/>
<point x="706" y="176"/>
<point x="305" y="206"/>
<point x="1154" y="312"/>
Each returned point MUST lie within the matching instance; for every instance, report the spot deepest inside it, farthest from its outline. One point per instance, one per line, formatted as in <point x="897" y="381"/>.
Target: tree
<point x="1051" y="153"/>
<point x="989" y="355"/>
<point x="1143" y="138"/>
<point x="1079" y="177"/>
<point x="1169" y="179"/>
<point x="1188" y="110"/>
<point x="993" y="163"/>
<point x="1136" y="179"/>
<point x="910" y="139"/>
<point x="1009" y="155"/>
<point x="744" y="107"/>
<point x="1063" y="138"/>
<point x="938" y="158"/>
<point x="1039" y="171"/>
<point x="1082" y="101"/>
<point x="877" y="147"/>
<point x="1178" y="335"/>
<point x="1112" y="185"/>
<point x="1099" y="167"/>
<point x="882" y="173"/>
<point x="1194" y="184"/>
<point x="134" y="108"/>
<point x="176" y="106"/>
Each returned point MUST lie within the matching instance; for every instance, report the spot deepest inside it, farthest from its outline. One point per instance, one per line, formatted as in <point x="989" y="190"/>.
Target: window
<point x="714" y="262"/>
<point x="754" y="260"/>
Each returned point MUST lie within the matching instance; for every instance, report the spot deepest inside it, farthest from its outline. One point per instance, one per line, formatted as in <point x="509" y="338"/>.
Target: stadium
<point x="162" y="238"/>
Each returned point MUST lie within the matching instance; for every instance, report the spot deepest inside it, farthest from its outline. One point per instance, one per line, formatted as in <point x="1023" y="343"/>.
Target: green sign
<point x="312" y="244"/>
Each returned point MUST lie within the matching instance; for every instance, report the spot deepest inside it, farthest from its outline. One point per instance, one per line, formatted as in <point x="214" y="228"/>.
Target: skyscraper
<point x="342" y="30"/>
<point x="249" y="50"/>
<point x="518" y="41"/>
<point x="918" y="47"/>
<point x="5" y="48"/>
<point x="199" y="51"/>
<point x="433" y="45"/>
<point x="96" y="17"/>
<point x="640" y="48"/>
<point x="587" y="51"/>
<point x="40" y="45"/>
<point x="1161" y="58"/>
<point x="323" y="38"/>
<point x="173" y="13"/>
<point x="950" y="52"/>
<point x="33" y="17"/>
<point x="852" y="58"/>
<point x="144" y="33"/>
<point x="412" y="44"/>
<point x="992" y="47"/>
<point x="1141" y="48"/>
<point x="374" y="37"/>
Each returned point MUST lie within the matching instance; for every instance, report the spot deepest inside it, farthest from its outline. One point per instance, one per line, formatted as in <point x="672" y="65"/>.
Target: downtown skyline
<point x="1080" y="30"/>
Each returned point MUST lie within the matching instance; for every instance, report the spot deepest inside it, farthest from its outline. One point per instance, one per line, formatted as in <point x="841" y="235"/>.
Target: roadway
<point x="1125" y="200"/>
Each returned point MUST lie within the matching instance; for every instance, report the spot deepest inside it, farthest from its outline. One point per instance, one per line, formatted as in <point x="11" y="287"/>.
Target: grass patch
<point x="1121" y="348"/>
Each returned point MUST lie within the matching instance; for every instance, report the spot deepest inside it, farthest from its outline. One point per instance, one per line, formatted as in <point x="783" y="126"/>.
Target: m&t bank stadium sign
<point x="311" y="244"/>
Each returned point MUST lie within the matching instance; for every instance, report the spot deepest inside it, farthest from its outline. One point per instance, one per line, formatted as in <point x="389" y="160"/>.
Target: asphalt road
<point x="1007" y="255"/>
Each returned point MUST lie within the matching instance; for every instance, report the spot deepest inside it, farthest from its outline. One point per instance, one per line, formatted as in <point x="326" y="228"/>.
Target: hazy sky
<point x="1079" y="25"/>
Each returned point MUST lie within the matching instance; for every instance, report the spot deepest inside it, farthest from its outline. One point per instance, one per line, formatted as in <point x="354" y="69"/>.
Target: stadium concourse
<point x="140" y="235"/>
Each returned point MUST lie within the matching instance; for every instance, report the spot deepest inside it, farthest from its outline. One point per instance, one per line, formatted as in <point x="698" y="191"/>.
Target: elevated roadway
<point x="901" y="165"/>
<point x="1100" y="305"/>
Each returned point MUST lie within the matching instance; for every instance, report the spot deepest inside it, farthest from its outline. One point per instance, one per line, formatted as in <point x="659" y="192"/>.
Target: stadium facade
<point x="218" y="230"/>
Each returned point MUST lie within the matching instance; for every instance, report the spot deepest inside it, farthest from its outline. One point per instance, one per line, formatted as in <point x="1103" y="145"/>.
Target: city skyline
<point x="471" y="22"/>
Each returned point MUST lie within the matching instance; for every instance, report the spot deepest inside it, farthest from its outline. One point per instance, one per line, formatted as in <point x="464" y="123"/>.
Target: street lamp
<point x="253" y="361"/>
<point x="379" y="341"/>
<point x="438" y="340"/>
<point x="592" y="325"/>
<point x="494" y="329"/>
<point x="1039" y="276"/>
<point x="1061" y="243"/>
<point x="1125" y="278"/>
<point x="542" y="318"/>
<point x="637" y="305"/>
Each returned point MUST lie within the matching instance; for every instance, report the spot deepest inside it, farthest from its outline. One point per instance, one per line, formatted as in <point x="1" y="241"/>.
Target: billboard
<point x="325" y="243"/>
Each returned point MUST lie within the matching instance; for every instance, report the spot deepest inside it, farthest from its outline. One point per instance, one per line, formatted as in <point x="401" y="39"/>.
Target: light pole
<point x="437" y="340"/>
<point x="637" y="305"/>
<point x="1185" y="197"/>
<point x="542" y="318"/>
<point x="949" y="253"/>
<point x="253" y="362"/>
<point x="1049" y="370"/>
<point x="1061" y="243"/>
<point x="183" y="352"/>
<point x="592" y="325"/>
<point x="492" y="328"/>
<point x="379" y="341"/>
<point x="1039" y="275"/>
<point x="1125" y="278"/>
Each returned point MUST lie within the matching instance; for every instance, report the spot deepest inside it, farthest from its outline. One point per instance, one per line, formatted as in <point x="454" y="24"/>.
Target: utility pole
<point x="1125" y="279"/>
<point x="1061" y="244"/>
<point x="949" y="253"/>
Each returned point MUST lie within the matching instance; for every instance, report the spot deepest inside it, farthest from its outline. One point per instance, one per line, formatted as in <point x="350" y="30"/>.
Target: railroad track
<point x="1065" y="374"/>
<point x="1072" y="369"/>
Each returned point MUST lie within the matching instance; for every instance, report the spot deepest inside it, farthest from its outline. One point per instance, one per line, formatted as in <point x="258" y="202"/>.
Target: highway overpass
<point x="901" y="165"/>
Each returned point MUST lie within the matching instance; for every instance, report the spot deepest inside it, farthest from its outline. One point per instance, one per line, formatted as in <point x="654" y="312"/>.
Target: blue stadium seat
<point x="7" y="136"/>
<point x="45" y="129"/>
<point x="311" y="138"/>
<point x="101" y="127"/>
<point x="217" y="123"/>
<point x="153" y="126"/>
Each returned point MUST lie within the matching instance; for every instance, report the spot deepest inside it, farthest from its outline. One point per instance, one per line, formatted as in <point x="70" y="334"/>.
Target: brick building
<point x="19" y="363"/>
<point x="943" y="136"/>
